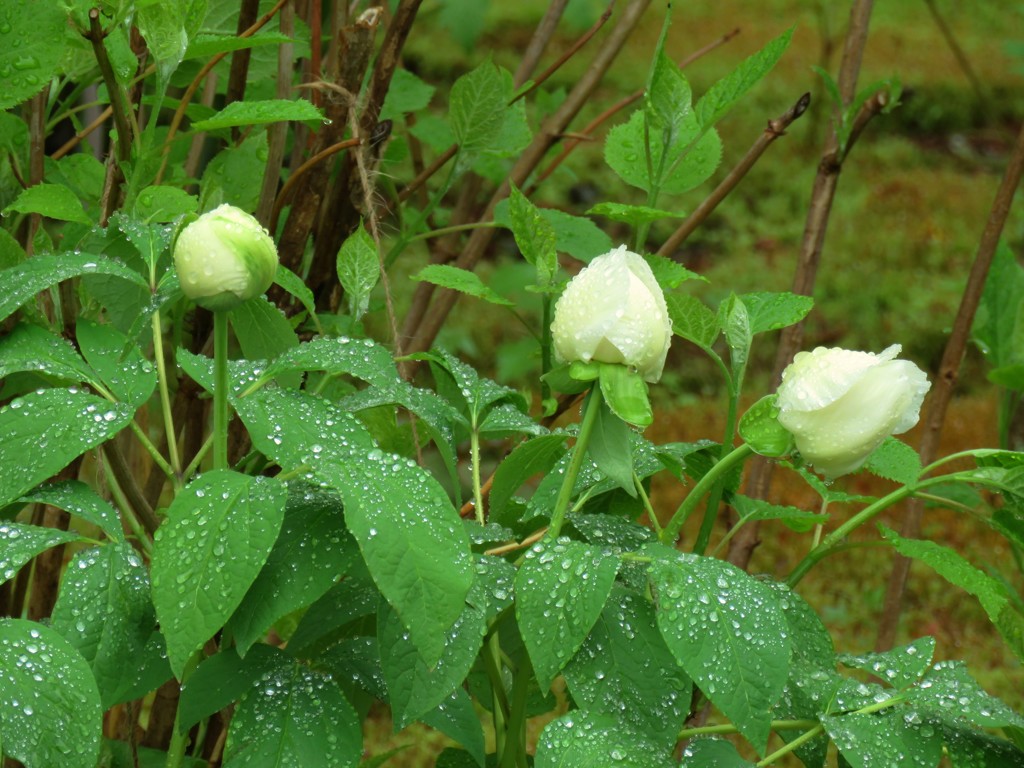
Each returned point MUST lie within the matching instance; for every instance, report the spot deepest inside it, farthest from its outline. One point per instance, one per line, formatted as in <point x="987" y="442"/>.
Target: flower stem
<point x="179" y="740"/>
<point x="474" y="462"/>
<point x="591" y="408"/>
<point x="727" y="462"/>
<point x="220" y="390"/>
<point x="828" y="544"/>
<point x="165" y="398"/>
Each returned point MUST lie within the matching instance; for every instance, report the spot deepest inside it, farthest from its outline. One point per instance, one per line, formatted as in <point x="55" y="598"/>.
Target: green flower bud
<point x="224" y="257"/>
<point x="614" y="312"/>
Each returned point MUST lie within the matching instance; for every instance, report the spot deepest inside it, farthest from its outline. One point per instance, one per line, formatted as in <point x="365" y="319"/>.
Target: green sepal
<point x="761" y="430"/>
<point x="625" y="391"/>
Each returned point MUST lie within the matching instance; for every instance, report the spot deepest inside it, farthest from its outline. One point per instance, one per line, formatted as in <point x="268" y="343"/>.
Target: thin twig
<point x="822" y="194"/>
<point x="277" y="133"/>
<point x="774" y="130"/>
<point x="282" y="196"/>
<point x="530" y="540"/>
<point x="239" y="73"/>
<point x="539" y="42"/>
<point x="186" y="97"/>
<point x="958" y="53"/>
<point x="95" y="35"/>
<point x="946" y="381"/>
<point x="75" y="140"/>
<point x="422" y="334"/>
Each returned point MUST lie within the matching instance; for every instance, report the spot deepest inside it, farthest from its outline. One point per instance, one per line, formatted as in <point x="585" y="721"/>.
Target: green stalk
<point x="715" y="497"/>
<point x="179" y="740"/>
<point x="590" y="410"/>
<point x="705" y="484"/>
<point x="776" y="725"/>
<point x="220" y="390"/>
<point x="474" y="466"/>
<point x="165" y="398"/>
<point x="514" y="755"/>
<point x="638" y="484"/>
<point x="828" y="544"/>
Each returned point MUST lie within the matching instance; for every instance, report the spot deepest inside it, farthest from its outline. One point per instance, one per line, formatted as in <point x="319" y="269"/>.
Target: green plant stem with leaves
<point x="220" y="390"/>
<point x="703" y="486"/>
<point x="591" y="409"/>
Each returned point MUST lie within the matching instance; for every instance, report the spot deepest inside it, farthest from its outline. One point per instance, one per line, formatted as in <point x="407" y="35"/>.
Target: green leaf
<point x="720" y="98"/>
<point x="311" y="553"/>
<point x="412" y="540"/>
<point x="163" y="27"/>
<point x="998" y="324"/>
<point x="324" y="621"/>
<point x="78" y="499"/>
<point x="862" y="738"/>
<point x="757" y="509"/>
<point x="32" y="348"/>
<point x="625" y="392"/>
<point x="32" y="43"/>
<point x="971" y="749"/>
<point x="235" y="175"/>
<point x="294" y="716"/>
<point x="634" y="215"/>
<point x="358" y="269"/>
<point x="462" y="280"/>
<point x="262" y="330"/>
<point x="707" y="752"/>
<point x="25" y="280"/>
<point x="556" y="607"/>
<point x="531" y="457"/>
<point x="735" y="321"/>
<point x="760" y="429"/>
<point x="476" y="108"/>
<point x="687" y="161"/>
<point x="118" y="361"/>
<point x="52" y="714"/>
<point x="948" y="691"/>
<point x="294" y="285"/>
<point x="625" y="670"/>
<point x="991" y="593"/>
<point x="894" y="460"/>
<point x="163" y="204"/>
<point x="667" y="101"/>
<point x="466" y="386"/>
<point x="670" y="274"/>
<point x="407" y="93"/>
<point x="457" y="718"/>
<point x="534" y="235"/>
<point x="416" y="687"/>
<point x="728" y="631"/>
<point x="46" y="429"/>
<point x="105" y="612"/>
<point x="220" y="680"/>
<point x="363" y="358"/>
<point x="55" y="201"/>
<point x="22" y="542"/>
<point x="577" y="236"/>
<point x="771" y="311"/>
<point x="693" y="320"/>
<point x="240" y="113"/>
<point x="610" y="449"/>
<point x="899" y="667"/>
<point x="218" y="533"/>
<point x="206" y="46"/>
<point x="581" y="739"/>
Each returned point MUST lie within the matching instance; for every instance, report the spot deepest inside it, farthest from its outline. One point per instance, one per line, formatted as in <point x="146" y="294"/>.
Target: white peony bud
<point x="840" y="405"/>
<point x="224" y="257"/>
<point x="613" y="311"/>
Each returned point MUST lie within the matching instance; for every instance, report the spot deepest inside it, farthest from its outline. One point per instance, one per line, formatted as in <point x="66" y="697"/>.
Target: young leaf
<point x="735" y="322"/>
<point x="52" y="714"/>
<point x="105" y="612"/>
<point x="163" y="204"/>
<point x="218" y="533"/>
<point x="758" y="509"/>
<point x="235" y="175"/>
<point x="294" y="716"/>
<point x="46" y="429"/>
<point x="625" y="392"/>
<point x="462" y="280"/>
<point x="118" y="361"/>
<point x="693" y="320"/>
<point x="407" y="93"/>
<point x="770" y="311"/>
<point x="534" y="235"/>
<point x="609" y="449"/>
<point x="577" y="236"/>
<point x="634" y="215"/>
<point x="294" y="285"/>
<point x="262" y="330"/>
<point x="894" y="460"/>
<point x="669" y="273"/>
<point x="555" y="606"/>
<point x="728" y="631"/>
<point x="727" y="91"/>
<point x="358" y="270"/>
<point x="899" y="667"/>
<point x="476" y="109"/>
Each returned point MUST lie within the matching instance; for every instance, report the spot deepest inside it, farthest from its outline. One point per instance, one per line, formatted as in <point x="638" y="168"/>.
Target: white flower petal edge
<point x="840" y="404"/>
<point x="614" y="311"/>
